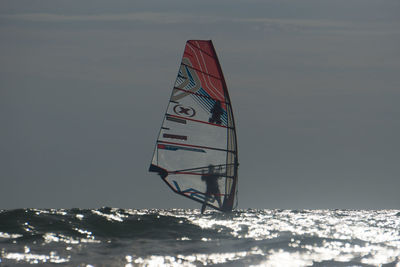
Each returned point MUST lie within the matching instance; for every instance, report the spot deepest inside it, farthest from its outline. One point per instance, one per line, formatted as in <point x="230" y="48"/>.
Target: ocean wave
<point x="33" y="224"/>
<point x="145" y="237"/>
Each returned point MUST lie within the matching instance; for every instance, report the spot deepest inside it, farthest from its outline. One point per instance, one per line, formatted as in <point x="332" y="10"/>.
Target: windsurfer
<point x="216" y="113"/>
<point x="212" y="188"/>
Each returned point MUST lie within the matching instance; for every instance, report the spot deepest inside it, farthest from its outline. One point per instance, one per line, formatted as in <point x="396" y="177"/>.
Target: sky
<point x="315" y="87"/>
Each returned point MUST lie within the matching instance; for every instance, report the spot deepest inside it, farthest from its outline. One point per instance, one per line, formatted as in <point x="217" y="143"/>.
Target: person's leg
<point x="203" y="207"/>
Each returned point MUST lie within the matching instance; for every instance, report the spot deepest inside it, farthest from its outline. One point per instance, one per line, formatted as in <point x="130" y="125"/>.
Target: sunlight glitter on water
<point x="115" y="216"/>
<point x="34" y="258"/>
<point x="52" y="237"/>
<point x="194" y="259"/>
<point x="316" y="236"/>
<point x="355" y="226"/>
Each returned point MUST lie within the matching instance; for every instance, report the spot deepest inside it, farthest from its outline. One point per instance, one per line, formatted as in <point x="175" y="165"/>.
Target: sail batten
<point x="187" y="145"/>
<point x="200" y="95"/>
<point x="205" y="52"/>
<point x="202" y="72"/>
<point x="196" y="150"/>
<point x="199" y="121"/>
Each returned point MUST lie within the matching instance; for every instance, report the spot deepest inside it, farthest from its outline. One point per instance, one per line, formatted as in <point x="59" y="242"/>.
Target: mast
<point x="229" y="201"/>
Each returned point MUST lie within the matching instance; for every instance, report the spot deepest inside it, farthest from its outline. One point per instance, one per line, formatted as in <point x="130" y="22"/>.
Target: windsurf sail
<point x="197" y="140"/>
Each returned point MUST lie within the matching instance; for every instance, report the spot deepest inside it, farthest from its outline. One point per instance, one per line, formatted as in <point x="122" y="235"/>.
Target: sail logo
<point x="184" y="111"/>
<point x="188" y="83"/>
<point x="175" y="136"/>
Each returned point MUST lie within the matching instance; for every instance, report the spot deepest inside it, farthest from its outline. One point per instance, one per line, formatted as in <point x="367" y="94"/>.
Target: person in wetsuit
<point x="212" y="187"/>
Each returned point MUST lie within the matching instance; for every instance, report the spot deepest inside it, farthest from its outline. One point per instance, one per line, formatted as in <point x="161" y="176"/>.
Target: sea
<point x="184" y="237"/>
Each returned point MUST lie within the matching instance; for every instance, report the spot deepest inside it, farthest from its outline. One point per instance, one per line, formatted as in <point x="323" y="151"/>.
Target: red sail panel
<point x="204" y="62"/>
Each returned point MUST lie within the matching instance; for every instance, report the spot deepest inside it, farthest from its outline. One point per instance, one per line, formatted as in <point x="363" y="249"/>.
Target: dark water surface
<point x="178" y="237"/>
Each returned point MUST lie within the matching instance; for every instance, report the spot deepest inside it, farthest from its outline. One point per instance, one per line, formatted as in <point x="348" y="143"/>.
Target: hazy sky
<point x="315" y="87"/>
